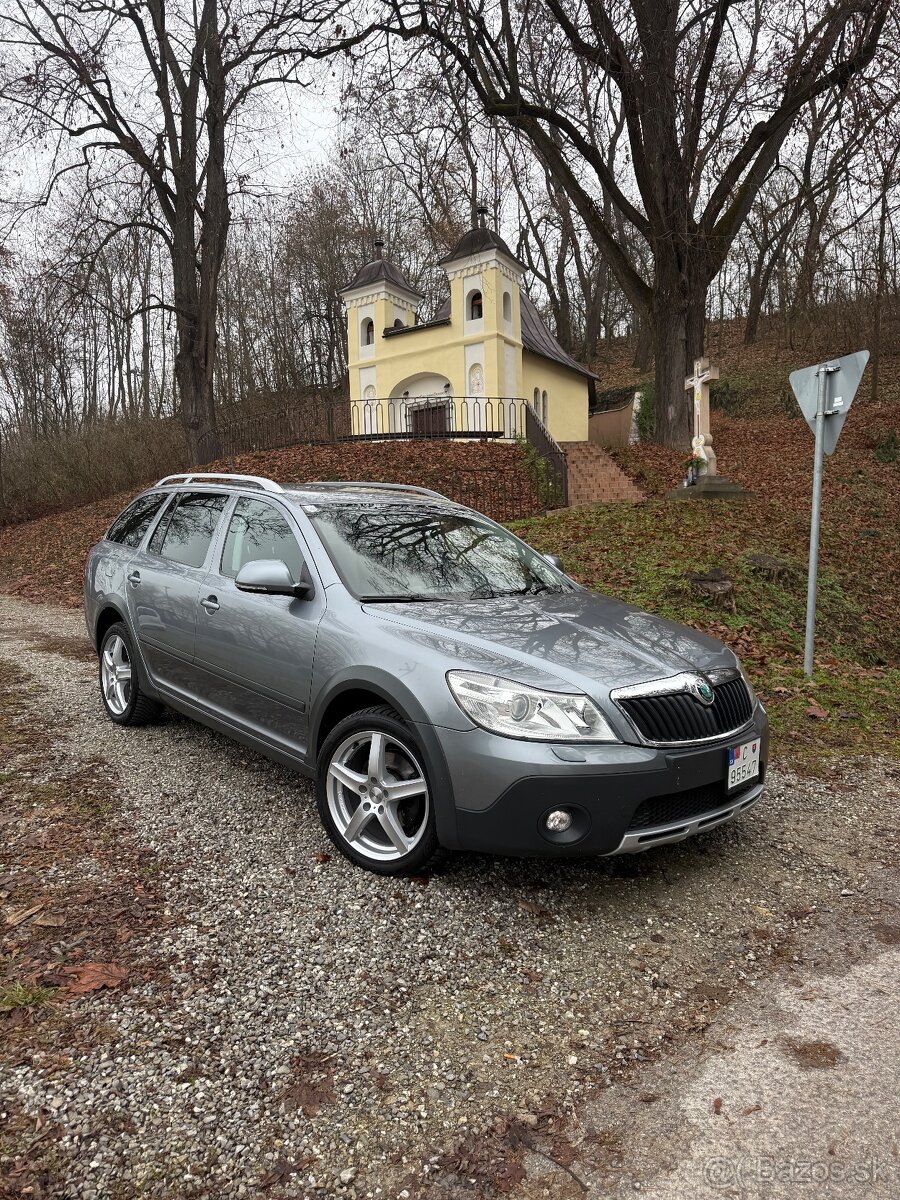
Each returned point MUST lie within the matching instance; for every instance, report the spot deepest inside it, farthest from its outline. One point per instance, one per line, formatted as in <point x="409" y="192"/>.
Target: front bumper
<point x="622" y="798"/>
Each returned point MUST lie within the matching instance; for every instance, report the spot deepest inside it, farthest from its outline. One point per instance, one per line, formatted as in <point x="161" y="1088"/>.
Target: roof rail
<point x="339" y="484"/>
<point x="208" y="477"/>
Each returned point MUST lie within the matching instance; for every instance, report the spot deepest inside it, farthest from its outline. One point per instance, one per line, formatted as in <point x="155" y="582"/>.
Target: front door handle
<point x="210" y="603"/>
<point x="134" y="578"/>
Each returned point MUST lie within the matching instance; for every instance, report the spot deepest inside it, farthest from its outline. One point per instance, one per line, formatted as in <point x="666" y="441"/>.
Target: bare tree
<point x="163" y="86"/>
<point x="710" y="93"/>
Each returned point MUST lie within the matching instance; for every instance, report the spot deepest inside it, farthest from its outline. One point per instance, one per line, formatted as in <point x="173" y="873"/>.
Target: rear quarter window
<point x="129" y="528"/>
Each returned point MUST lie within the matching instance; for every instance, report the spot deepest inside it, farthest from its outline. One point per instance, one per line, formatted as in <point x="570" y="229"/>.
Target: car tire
<point x="124" y="699"/>
<point x="374" y="795"/>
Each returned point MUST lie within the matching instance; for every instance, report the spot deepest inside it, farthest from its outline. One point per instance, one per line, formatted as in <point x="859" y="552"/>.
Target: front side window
<point x="428" y="553"/>
<point x="129" y="528"/>
<point x="186" y="536"/>
<point x="258" y="530"/>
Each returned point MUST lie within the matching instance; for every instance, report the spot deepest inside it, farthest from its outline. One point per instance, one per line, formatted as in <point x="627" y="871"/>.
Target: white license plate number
<point x="743" y="764"/>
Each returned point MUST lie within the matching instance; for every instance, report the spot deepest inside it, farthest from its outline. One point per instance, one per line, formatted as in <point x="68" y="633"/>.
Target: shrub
<point x="44" y="475"/>
<point x="728" y="396"/>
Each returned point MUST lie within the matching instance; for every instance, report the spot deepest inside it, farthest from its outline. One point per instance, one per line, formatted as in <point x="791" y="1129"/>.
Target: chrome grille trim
<point x="684" y="683"/>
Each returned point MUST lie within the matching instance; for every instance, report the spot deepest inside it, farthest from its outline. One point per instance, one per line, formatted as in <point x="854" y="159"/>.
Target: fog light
<point x="558" y="821"/>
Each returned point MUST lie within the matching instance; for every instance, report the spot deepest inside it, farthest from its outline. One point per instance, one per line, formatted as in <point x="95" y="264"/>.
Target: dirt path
<point x="287" y="1025"/>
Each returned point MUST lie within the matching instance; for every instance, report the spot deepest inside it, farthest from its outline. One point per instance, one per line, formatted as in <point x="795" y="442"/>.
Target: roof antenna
<point x="379" y="248"/>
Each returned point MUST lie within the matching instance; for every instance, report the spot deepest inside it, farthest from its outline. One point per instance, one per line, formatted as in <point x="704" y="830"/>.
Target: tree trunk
<point x="879" y="293"/>
<point x="643" y="344"/>
<point x="755" y="301"/>
<point x="194" y="358"/>
<point x="679" y="329"/>
<point x="193" y="377"/>
<point x="670" y="360"/>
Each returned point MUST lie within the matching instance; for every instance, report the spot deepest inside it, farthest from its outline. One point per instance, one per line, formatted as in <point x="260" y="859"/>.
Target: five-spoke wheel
<point x="115" y="674"/>
<point x="374" y="797"/>
<point x="124" y="698"/>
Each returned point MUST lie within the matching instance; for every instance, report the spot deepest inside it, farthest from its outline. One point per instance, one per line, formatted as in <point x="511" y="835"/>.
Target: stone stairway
<point x="594" y="478"/>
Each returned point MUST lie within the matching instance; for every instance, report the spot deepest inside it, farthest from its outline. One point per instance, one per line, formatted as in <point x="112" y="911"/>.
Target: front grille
<point x="681" y="717"/>
<point x="684" y="806"/>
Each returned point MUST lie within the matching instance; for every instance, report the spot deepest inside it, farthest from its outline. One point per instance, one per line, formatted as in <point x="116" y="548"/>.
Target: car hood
<point x="579" y="638"/>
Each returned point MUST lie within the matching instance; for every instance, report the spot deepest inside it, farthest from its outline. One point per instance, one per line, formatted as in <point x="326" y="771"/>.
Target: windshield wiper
<point x="400" y="598"/>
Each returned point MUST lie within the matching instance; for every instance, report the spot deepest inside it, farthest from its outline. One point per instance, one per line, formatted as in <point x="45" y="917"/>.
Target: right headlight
<point x="516" y="710"/>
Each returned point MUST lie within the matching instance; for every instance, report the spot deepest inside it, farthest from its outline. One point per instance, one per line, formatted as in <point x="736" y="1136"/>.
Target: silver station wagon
<point x="445" y="684"/>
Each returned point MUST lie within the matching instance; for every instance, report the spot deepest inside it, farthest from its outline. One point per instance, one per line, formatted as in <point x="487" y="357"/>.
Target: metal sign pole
<point x="819" y="458"/>
<point x="825" y="416"/>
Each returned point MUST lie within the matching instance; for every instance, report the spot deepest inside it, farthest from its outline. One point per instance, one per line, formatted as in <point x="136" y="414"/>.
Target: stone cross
<point x="701" y="442"/>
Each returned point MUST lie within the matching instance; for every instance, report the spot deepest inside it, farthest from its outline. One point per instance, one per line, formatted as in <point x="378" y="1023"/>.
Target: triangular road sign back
<point x="842" y="385"/>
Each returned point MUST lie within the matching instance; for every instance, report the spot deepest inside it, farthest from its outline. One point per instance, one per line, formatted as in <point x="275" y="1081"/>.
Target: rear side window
<point x="258" y="530"/>
<point x="186" y="536"/>
<point x="130" y="527"/>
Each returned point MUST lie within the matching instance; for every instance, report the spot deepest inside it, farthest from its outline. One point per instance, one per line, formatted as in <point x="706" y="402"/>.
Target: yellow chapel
<point x="473" y="367"/>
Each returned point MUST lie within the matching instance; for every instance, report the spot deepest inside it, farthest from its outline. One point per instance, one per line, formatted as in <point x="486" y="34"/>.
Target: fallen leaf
<point x="532" y="906"/>
<point x="745" y="1112"/>
<point x="308" y="1096"/>
<point x="320" y="856"/>
<point x="89" y="977"/>
<point x="762" y="910"/>
<point x="50" y="920"/>
<point x="816" y="713"/>
<point x="717" y="1105"/>
<point x="23" y="914"/>
<point x="282" y="1170"/>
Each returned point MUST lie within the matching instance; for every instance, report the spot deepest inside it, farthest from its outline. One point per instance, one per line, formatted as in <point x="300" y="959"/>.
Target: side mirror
<point x="271" y="577"/>
<point x="555" y="561"/>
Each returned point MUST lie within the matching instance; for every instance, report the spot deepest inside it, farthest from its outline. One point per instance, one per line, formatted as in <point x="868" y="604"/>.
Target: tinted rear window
<point x="186" y="537"/>
<point x="130" y="527"/>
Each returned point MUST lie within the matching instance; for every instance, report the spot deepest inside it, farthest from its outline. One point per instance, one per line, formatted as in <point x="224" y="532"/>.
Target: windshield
<point x="414" y="552"/>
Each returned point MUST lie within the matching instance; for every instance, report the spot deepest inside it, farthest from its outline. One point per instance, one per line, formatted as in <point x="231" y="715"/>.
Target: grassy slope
<point x="643" y="554"/>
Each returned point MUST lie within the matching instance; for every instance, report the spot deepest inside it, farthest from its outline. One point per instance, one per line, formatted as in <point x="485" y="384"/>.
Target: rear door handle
<point x="210" y="603"/>
<point x="134" y="578"/>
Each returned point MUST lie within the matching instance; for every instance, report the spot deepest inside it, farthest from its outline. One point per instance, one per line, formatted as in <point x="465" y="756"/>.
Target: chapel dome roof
<point x="380" y="270"/>
<point x="476" y="241"/>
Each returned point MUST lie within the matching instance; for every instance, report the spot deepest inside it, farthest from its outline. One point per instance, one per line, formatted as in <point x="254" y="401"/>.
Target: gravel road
<point x="304" y="1029"/>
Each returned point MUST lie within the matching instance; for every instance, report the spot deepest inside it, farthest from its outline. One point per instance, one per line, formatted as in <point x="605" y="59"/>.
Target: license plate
<point x="743" y="764"/>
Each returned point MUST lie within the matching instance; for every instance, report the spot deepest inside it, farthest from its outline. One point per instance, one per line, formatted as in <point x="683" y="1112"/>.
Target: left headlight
<point x="516" y="710"/>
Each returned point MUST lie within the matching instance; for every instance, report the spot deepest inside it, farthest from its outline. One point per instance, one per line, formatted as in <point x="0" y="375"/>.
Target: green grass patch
<point x="24" y="995"/>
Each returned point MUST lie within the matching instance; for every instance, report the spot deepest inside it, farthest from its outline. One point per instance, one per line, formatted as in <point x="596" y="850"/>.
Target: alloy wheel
<point x="378" y="795"/>
<point x="115" y="675"/>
